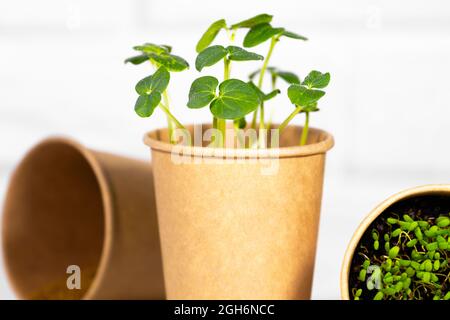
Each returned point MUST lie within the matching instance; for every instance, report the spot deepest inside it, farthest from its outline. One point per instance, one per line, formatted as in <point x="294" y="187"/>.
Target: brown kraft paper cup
<point x="435" y="189"/>
<point x="68" y="205"/>
<point x="228" y="229"/>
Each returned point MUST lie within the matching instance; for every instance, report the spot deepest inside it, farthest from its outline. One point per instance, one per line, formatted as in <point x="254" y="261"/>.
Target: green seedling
<point x="229" y="98"/>
<point x="305" y="97"/>
<point x="287" y="76"/>
<point x="275" y="74"/>
<point x="153" y="89"/>
<point x="414" y="263"/>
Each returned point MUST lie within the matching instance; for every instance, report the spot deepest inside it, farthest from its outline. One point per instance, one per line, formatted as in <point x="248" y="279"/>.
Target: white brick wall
<point x="61" y="71"/>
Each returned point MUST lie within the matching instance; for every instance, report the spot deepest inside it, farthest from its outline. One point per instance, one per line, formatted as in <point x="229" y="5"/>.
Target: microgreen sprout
<point x="411" y="253"/>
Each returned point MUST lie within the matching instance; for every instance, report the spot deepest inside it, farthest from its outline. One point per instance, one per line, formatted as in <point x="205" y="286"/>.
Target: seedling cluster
<point x="406" y="257"/>
<point x="229" y="98"/>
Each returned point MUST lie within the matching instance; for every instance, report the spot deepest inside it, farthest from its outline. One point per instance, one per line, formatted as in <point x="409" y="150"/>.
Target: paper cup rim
<point x="405" y="194"/>
<point x="105" y="191"/>
<point x="326" y="143"/>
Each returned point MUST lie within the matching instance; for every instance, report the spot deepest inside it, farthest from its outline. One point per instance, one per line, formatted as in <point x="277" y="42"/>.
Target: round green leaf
<point x="375" y="235"/>
<point x="316" y="79"/>
<point x="153" y="48"/>
<point x="391" y="220"/>
<point x="376" y="244"/>
<point x="310" y="108"/>
<point x="252" y="75"/>
<point x="260" y="33"/>
<point x="238" y="54"/>
<point x="160" y="80"/>
<point x="443" y="222"/>
<point x="426" y="277"/>
<point x="362" y="275"/>
<point x="289" y="77"/>
<point x="396" y="232"/>
<point x="241" y="123"/>
<point x="249" y="23"/>
<point x="137" y="59"/>
<point x="258" y="91"/>
<point x="432" y="246"/>
<point x="146" y="104"/>
<point x="406" y="217"/>
<point x="262" y="96"/>
<point x="167" y="47"/>
<point x="302" y="96"/>
<point x="209" y="57"/>
<point x="156" y="82"/>
<point x="411" y="243"/>
<point x="143" y="87"/>
<point x="393" y="252"/>
<point x="379" y="296"/>
<point x="294" y="35"/>
<point x="366" y="264"/>
<point x="202" y="92"/>
<point x="210" y="34"/>
<point x="236" y="99"/>
<point x="170" y="61"/>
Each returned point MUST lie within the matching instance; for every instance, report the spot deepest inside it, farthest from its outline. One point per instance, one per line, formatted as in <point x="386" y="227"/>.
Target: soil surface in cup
<point x="422" y="208"/>
<point x="53" y="219"/>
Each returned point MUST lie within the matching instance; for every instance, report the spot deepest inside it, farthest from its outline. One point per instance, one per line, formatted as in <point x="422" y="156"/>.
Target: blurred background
<point x="62" y="72"/>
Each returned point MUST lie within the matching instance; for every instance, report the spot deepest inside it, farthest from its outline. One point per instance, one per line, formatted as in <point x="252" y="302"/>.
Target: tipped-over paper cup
<point x="78" y="223"/>
<point x="239" y="223"/>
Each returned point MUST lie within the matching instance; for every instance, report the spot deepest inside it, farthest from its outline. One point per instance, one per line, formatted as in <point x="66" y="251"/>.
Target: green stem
<point x="274" y="82"/>
<point x="255" y="115"/>
<point x="171" y="116"/>
<point x="221" y="126"/>
<point x="304" y="137"/>
<point x="269" y="123"/>
<point x="273" y="42"/>
<point x="261" y="117"/>
<point x="169" y="120"/>
<point x="237" y="131"/>
<point x="167" y="103"/>
<point x="231" y="34"/>
<point x="284" y="124"/>
<point x="215" y="126"/>
<point x="221" y="123"/>
<point x="226" y="68"/>
<point x="262" y="73"/>
<point x="261" y="126"/>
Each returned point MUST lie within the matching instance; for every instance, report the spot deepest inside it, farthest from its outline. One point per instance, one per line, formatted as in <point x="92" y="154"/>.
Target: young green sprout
<point x="305" y="97"/>
<point x="152" y="90"/>
<point x="413" y="263"/>
<point x="260" y="31"/>
<point x="237" y="103"/>
<point x="235" y="98"/>
<point x="228" y="98"/>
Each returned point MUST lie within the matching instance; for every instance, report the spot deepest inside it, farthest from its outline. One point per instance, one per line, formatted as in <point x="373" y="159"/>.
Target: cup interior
<point x="53" y="218"/>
